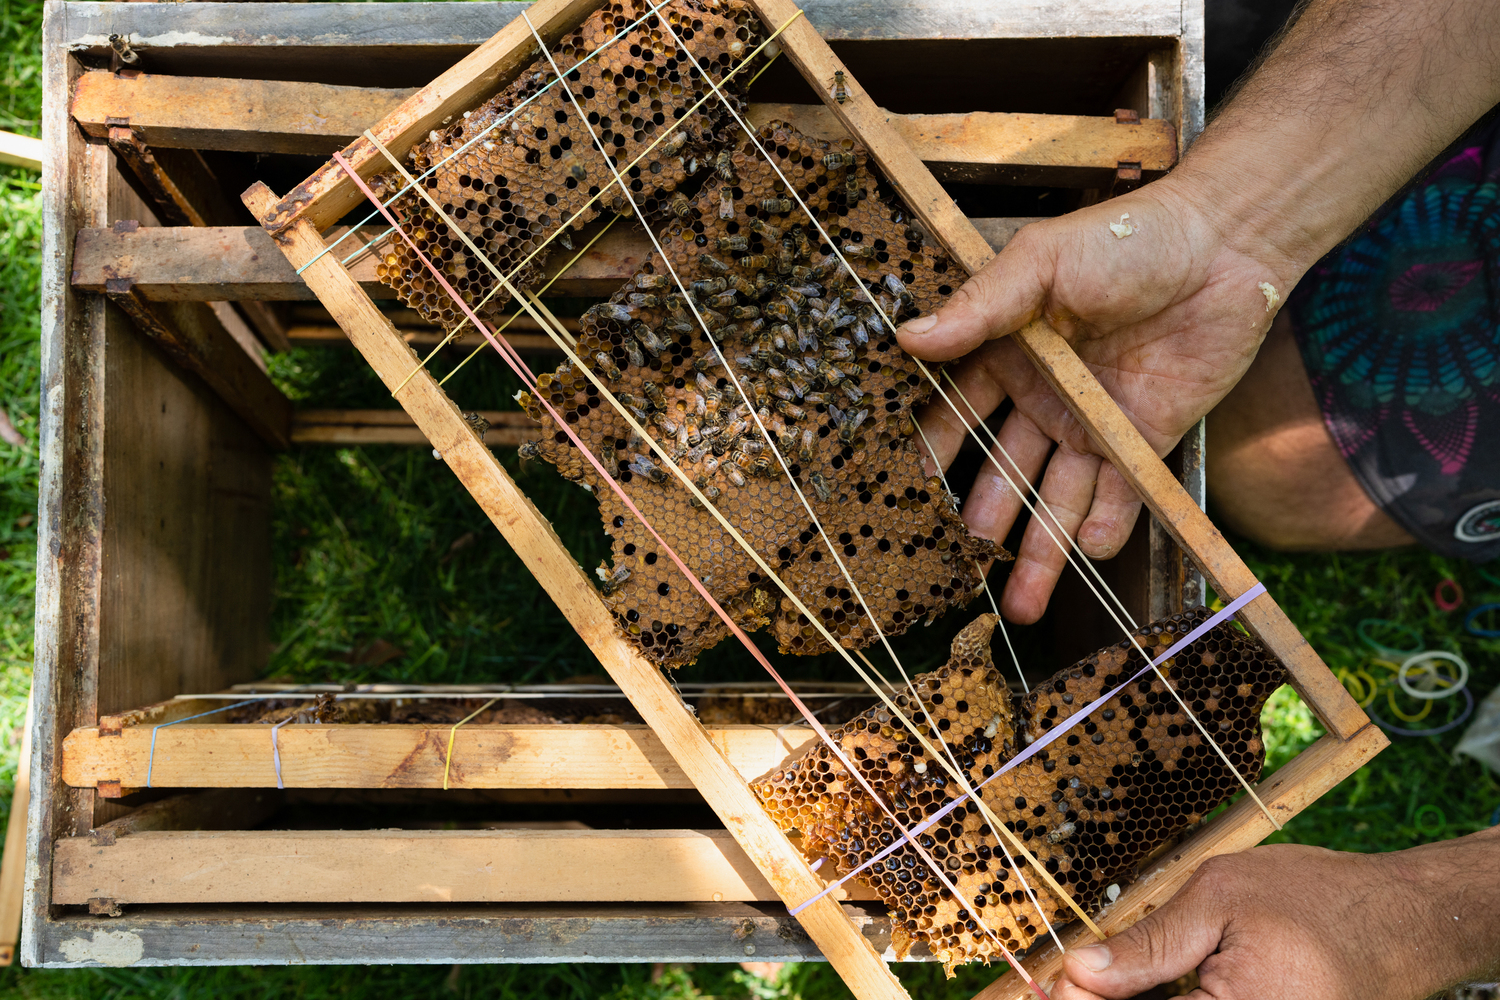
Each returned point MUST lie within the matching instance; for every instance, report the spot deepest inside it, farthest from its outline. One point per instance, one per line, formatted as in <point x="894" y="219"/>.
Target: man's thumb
<point x="1162" y="947"/>
<point x="1004" y="296"/>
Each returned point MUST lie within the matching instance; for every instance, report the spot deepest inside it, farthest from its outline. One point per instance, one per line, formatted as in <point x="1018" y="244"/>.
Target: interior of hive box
<point x="225" y="563"/>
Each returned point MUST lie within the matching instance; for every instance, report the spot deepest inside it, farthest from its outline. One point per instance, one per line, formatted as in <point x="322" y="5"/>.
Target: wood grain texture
<point x="208" y="263"/>
<point x="548" y="560"/>
<point x="395" y="866"/>
<point x="1293" y="787"/>
<point x="265" y="116"/>
<point x="409" y="756"/>
<point x="428" y="336"/>
<point x="329" y="193"/>
<point x="20" y="151"/>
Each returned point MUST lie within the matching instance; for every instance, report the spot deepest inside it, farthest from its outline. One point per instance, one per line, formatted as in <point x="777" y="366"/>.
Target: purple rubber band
<point x="1052" y="734"/>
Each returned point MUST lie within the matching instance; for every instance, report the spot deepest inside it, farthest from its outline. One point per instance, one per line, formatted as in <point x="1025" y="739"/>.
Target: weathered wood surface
<point x="206" y="263"/>
<point x="544" y="555"/>
<point x="265" y="116"/>
<point x="507" y="428"/>
<point x="1293" y="787"/>
<point x="411" y="756"/>
<point x="427" y="336"/>
<point x="396" y="866"/>
<point x="215" y="809"/>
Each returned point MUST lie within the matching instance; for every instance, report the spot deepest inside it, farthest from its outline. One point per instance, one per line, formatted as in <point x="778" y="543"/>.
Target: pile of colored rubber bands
<point x="1427" y="676"/>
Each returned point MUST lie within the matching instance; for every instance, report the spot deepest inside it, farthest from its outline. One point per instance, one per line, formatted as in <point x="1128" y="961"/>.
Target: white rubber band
<point x="1426" y="657"/>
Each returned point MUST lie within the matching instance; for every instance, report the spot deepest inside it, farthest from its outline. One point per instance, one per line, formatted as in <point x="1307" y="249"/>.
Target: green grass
<point x="382" y="543"/>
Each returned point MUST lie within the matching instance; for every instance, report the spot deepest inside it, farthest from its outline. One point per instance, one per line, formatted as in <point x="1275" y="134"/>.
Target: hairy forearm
<point x="1356" y="98"/>
<point x="1454" y="887"/>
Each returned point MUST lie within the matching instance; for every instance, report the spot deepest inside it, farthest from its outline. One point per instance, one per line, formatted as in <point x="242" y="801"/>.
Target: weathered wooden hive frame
<point x="68" y="624"/>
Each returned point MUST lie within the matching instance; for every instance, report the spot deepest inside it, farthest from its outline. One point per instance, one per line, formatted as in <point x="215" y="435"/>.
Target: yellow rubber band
<point x="1390" y="697"/>
<point x="448" y="761"/>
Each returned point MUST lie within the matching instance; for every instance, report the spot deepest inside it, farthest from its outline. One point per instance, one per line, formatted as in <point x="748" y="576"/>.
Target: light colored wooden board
<point x="266" y="116"/>
<point x="206" y="263"/>
<point x="13" y="864"/>
<point x="20" y="150"/>
<point x="409" y="756"/>
<point x="396" y="866"/>
<point x="1293" y="787"/>
<point x="544" y="555"/>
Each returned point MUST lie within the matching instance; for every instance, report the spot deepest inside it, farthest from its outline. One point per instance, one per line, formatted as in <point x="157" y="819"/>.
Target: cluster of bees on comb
<point x="1090" y="807"/>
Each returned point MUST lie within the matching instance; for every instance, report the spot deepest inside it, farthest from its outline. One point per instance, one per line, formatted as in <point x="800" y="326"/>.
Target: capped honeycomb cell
<point x="1091" y="806"/>
<point x="798" y="378"/>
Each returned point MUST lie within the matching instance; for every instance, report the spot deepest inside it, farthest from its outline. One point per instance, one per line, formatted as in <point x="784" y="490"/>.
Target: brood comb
<point x="516" y="186"/>
<point x="828" y="382"/>
<point x="1091" y="806"/>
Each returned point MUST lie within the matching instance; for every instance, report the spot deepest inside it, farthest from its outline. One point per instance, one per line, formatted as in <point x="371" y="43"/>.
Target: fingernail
<point x="921" y="324"/>
<point x="1096" y="957"/>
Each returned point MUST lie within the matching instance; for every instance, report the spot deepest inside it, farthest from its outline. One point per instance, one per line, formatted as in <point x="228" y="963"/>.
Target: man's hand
<point x="1168" y="317"/>
<point x="1288" y="922"/>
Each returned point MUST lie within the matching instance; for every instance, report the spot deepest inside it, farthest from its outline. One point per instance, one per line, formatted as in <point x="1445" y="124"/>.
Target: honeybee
<point x="706" y="362"/>
<point x="896" y="287"/>
<point x="734" y="475"/>
<point x="713" y="263"/>
<point x="653" y="393"/>
<point x="477" y="422"/>
<point x="776" y="206"/>
<point x="724" y="300"/>
<point x="708" y="286"/>
<point x="750" y="364"/>
<point x="858" y="251"/>
<point x="749" y="328"/>
<point x="817" y="399"/>
<point x="607" y="366"/>
<point x="609" y="582"/>
<point x="711" y="493"/>
<point x="781" y="334"/>
<point x="840" y="89"/>
<point x="666" y="423"/>
<point x="674" y="145"/>
<point x="790" y="410"/>
<point x="745" y="312"/>
<point x="806" y="454"/>
<point x="737" y="244"/>
<point x="653" y="344"/>
<point x="577" y="172"/>
<point x="726" y="202"/>
<point x="607" y="455"/>
<point x="691" y="434"/>
<point x="754" y="262"/>
<point x="643" y="300"/>
<point x="614" y="311"/>
<point x="633" y="351"/>
<point x="767" y="232"/>
<point x="680" y="206"/>
<point x="529" y="450"/>
<point x="640" y="465"/>
<point x="795" y="298"/>
<point x="838" y="161"/>
<point x="854" y="392"/>
<point x="852" y="186"/>
<point x="738" y="283"/>
<point x="786" y="255"/>
<point x="724" y="165"/>
<point x="849" y="426"/>
<point x="649" y="281"/>
<point x="779" y="310"/>
<point x="820" y="487"/>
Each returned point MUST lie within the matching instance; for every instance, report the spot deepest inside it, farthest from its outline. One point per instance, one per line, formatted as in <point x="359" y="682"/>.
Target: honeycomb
<point x="830" y="385"/>
<point x="523" y="181"/>
<point x="1090" y="806"/>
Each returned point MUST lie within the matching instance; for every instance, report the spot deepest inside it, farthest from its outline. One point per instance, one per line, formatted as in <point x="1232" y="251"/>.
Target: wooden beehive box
<point x="156" y="489"/>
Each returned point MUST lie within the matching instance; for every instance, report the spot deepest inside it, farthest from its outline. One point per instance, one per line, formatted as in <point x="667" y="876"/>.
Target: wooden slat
<point x="429" y="336"/>
<point x="548" y="560"/>
<point x="1111" y="430"/>
<point x="20" y="150"/>
<point x="207" y="263"/>
<point x="13" y="864"/>
<point x="290" y="117"/>
<point x="324" y="197"/>
<point x="1294" y="787"/>
<point x="508" y="428"/>
<point x="410" y="756"/>
<point x="395" y="866"/>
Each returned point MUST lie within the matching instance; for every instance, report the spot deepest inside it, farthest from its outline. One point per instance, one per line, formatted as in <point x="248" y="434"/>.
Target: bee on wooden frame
<point x="840" y="89"/>
<point x="611" y="581"/>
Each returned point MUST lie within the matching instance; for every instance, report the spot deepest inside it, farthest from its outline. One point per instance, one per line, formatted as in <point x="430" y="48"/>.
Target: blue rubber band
<point x="1483" y="633"/>
<point x="151" y="758"/>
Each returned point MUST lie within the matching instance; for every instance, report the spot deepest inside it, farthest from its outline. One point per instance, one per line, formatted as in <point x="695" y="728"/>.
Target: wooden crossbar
<point x="410" y="866"/>
<point x="275" y="116"/>
<point x="410" y="756"/>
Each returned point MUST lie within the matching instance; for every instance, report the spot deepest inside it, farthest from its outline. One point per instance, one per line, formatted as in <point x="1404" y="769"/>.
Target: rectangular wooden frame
<point x="295" y="220"/>
<point x="224" y="39"/>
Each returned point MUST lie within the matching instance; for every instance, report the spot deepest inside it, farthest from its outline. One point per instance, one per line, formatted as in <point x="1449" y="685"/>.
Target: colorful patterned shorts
<point x="1400" y="332"/>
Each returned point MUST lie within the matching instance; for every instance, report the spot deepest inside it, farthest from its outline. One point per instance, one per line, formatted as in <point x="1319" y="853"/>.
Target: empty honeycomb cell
<point x="1090" y="810"/>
